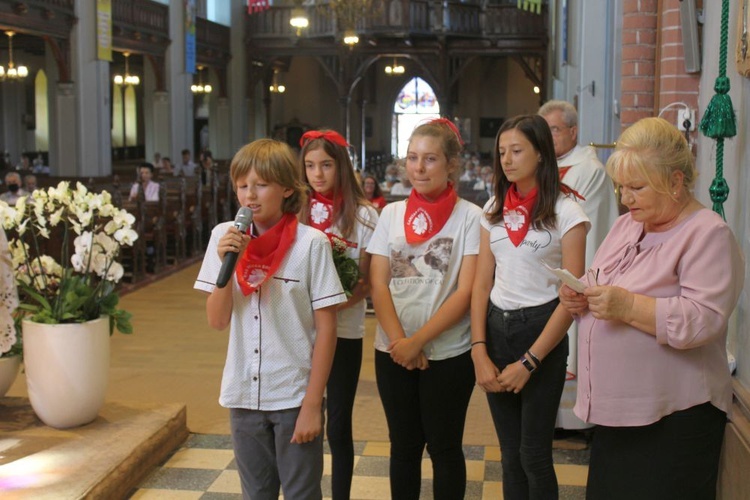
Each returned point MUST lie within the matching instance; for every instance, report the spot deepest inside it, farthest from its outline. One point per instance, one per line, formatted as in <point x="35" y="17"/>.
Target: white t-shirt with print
<point x="351" y="321"/>
<point x="423" y="276"/>
<point x="272" y="331"/>
<point x="521" y="280"/>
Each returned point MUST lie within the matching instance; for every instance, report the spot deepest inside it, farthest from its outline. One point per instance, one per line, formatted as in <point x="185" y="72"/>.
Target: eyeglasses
<point x="556" y="130"/>
<point x="592" y="275"/>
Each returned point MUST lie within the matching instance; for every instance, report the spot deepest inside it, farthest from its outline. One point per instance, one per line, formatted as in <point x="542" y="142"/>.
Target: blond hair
<point x="273" y="161"/>
<point x="655" y="149"/>
<point x="450" y="143"/>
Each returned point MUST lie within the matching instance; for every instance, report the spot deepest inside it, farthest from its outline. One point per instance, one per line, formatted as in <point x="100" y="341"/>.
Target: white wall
<point x="736" y="163"/>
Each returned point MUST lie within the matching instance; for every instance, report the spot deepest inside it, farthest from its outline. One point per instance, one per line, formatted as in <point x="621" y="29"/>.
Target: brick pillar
<point x="639" y="29"/>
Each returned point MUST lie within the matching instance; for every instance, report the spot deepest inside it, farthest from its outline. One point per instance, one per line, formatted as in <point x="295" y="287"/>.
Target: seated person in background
<point x="24" y="163"/>
<point x="207" y="164"/>
<point x="402" y="188"/>
<point x="391" y="178"/>
<point x="150" y="188"/>
<point x="39" y="166"/>
<point x="187" y="166"/>
<point x="373" y="193"/>
<point x="166" y="166"/>
<point x="484" y="180"/>
<point x="469" y="172"/>
<point x="13" y="183"/>
<point x="29" y="183"/>
<point x="158" y="161"/>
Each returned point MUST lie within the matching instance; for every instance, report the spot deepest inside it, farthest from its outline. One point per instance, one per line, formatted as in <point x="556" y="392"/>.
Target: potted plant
<point x="68" y="303"/>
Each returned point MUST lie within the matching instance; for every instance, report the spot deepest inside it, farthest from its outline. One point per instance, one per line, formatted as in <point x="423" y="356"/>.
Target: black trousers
<point x="341" y="389"/>
<point x="426" y="407"/>
<point x="676" y="458"/>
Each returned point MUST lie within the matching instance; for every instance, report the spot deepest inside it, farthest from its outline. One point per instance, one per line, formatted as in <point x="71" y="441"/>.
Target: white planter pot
<point x="8" y="371"/>
<point x="67" y="367"/>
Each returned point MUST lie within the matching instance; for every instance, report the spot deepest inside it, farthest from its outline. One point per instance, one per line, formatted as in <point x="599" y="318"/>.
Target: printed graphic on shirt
<point x="420" y="222"/>
<point x="515" y="219"/>
<point x="256" y="276"/>
<point x="430" y="260"/>
<point x="534" y="241"/>
<point x="319" y="213"/>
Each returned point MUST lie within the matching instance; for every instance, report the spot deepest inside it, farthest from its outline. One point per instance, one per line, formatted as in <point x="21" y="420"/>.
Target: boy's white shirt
<point x="272" y="331"/>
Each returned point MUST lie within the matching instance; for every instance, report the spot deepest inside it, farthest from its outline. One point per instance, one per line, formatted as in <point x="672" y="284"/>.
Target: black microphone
<point x="242" y="221"/>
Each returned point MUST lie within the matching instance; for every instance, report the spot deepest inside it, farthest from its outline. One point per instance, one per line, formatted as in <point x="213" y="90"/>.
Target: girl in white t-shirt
<point x="423" y="259"/>
<point x="518" y="329"/>
<point x="338" y="207"/>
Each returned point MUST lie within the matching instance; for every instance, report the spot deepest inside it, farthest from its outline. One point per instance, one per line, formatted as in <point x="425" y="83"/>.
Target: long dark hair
<point x="536" y="130"/>
<point x="347" y="191"/>
<point x="378" y="192"/>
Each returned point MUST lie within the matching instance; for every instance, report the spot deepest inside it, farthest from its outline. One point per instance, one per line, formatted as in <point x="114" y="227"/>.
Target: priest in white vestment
<point x="581" y="170"/>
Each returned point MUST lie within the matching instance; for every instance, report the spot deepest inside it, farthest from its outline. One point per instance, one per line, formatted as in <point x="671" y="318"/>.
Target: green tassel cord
<point x="719" y="121"/>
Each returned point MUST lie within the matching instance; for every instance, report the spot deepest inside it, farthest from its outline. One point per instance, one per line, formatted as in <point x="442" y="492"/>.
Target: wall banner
<point x="104" y="30"/>
<point x="190" y="48"/>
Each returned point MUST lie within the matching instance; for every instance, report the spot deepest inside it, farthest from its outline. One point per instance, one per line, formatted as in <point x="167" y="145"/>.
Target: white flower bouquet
<point x="78" y="286"/>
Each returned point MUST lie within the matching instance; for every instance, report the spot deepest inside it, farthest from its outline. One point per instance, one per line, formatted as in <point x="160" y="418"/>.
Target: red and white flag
<point x="254" y="6"/>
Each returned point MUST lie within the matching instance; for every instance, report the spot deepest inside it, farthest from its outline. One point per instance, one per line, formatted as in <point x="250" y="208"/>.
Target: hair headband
<point x="450" y="125"/>
<point x="330" y="135"/>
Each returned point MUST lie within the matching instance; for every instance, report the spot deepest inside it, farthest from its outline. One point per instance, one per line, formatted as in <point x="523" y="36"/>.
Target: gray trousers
<point x="266" y="459"/>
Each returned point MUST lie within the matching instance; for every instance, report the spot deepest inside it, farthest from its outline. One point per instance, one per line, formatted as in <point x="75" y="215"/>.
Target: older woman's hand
<point x="609" y="302"/>
<point x="573" y="301"/>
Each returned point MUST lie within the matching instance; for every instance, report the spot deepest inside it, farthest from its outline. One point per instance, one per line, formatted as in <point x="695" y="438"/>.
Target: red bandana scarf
<point x="321" y="212"/>
<point x="264" y="254"/>
<point x="567" y="189"/>
<point x="517" y="213"/>
<point x="424" y="219"/>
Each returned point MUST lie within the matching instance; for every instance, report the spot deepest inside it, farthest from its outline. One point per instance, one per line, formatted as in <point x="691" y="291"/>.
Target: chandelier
<point x="128" y="79"/>
<point x="12" y="73"/>
<point x="275" y="87"/>
<point x="396" y="69"/>
<point x="348" y="14"/>
<point x="298" y="17"/>
<point x="200" y="88"/>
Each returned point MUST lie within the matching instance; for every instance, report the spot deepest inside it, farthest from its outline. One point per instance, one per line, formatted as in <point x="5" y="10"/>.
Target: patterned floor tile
<point x="205" y="468"/>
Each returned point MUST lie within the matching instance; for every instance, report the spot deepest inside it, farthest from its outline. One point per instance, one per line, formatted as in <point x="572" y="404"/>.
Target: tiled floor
<point x="204" y="468"/>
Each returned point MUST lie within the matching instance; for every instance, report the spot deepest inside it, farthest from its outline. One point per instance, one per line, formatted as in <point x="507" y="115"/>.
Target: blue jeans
<point x="525" y="422"/>
<point x="341" y="389"/>
<point x="426" y="407"/>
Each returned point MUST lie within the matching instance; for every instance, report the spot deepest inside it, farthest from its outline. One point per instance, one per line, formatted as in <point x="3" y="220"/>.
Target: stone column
<point x="220" y="125"/>
<point x="91" y="122"/>
<point x="240" y="114"/>
<point x="64" y="159"/>
<point x="178" y="84"/>
<point x="160" y="137"/>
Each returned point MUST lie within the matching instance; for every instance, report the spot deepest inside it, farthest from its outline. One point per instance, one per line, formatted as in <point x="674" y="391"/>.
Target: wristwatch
<point x="528" y="364"/>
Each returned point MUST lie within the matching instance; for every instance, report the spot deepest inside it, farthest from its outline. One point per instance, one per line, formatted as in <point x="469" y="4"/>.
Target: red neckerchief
<point x="378" y="202"/>
<point x="517" y="213"/>
<point x="567" y="189"/>
<point x="264" y="254"/>
<point x="424" y="219"/>
<point x="321" y="212"/>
